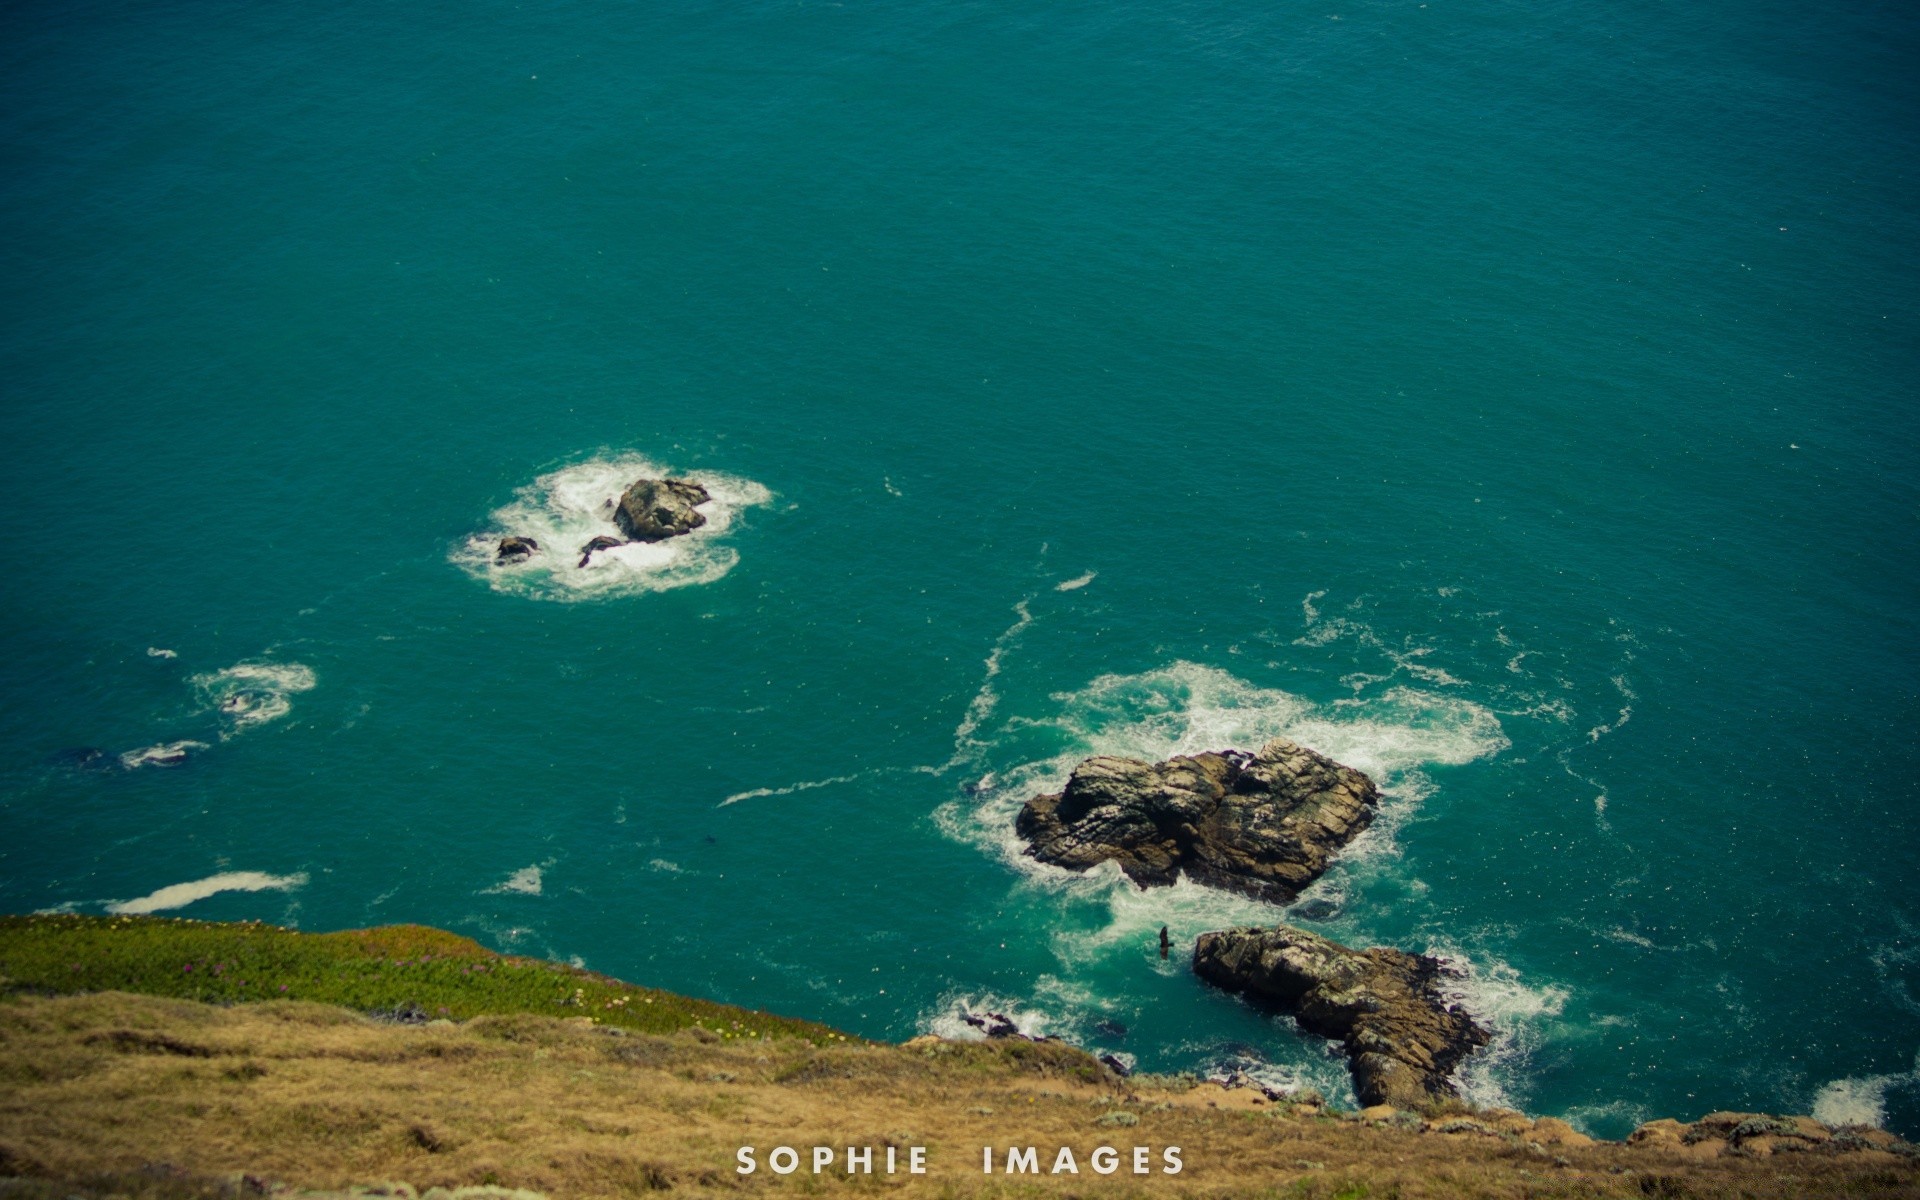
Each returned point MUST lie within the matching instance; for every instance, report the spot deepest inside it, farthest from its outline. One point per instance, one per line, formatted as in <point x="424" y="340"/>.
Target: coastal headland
<point x="151" y="1057"/>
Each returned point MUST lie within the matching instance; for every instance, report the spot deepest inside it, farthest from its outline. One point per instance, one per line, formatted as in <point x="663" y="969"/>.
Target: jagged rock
<point x="998" y="1025"/>
<point x="1265" y="824"/>
<point x="1402" y="1038"/>
<point x="653" y="510"/>
<point x="514" y="550"/>
<point x="603" y="542"/>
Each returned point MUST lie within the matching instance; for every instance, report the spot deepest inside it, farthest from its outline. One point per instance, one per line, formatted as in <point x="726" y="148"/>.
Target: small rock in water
<point x="602" y="542"/>
<point x="1316" y="909"/>
<point x="82" y="758"/>
<point x="1110" y="1027"/>
<point x="514" y="550"/>
<point x="653" y="510"/>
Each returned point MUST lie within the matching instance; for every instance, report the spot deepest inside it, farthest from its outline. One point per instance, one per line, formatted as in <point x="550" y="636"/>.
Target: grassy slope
<point x="97" y="1088"/>
<point x="394" y="967"/>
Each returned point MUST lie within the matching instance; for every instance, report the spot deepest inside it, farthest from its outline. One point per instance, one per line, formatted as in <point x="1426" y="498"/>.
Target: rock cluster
<point x="1266" y="823"/>
<point x="1402" y="1037"/>
<point x="1750" y="1134"/>
<point x="651" y="510"/>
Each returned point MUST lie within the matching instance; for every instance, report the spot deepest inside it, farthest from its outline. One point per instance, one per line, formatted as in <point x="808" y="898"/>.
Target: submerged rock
<point x="653" y="510"/>
<point x="603" y="542"/>
<point x="82" y="758"/>
<point x="1402" y="1038"/>
<point x="1265" y="824"/>
<point x="514" y="550"/>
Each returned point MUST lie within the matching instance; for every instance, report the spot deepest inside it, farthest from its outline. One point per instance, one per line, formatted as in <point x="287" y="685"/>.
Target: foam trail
<point x="986" y="699"/>
<point x="803" y="786"/>
<point x="563" y="510"/>
<point x="1075" y="584"/>
<point x="1627" y="696"/>
<point x="180" y="895"/>
<point x="158" y="652"/>
<point x="965" y="746"/>
<point x="1861" y="1100"/>
<point x="164" y="754"/>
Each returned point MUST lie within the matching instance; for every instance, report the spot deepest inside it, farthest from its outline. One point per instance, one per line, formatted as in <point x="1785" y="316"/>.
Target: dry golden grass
<point x="106" y="1086"/>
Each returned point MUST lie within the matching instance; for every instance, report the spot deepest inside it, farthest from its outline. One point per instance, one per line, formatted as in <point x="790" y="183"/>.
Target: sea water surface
<point x="1516" y="402"/>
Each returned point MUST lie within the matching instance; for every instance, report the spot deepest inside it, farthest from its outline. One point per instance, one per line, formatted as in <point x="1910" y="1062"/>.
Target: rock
<point x="999" y="1025"/>
<point x="1555" y="1132"/>
<point x="1401" y="1036"/>
<point x="603" y="542"/>
<point x="1265" y="824"/>
<point x="1119" y="1066"/>
<point x="653" y="510"/>
<point x="1317" y="909"/>
<point x="82" y="758"/>
<point x="1664" y="1132"/>
<point x="514" y="550"/>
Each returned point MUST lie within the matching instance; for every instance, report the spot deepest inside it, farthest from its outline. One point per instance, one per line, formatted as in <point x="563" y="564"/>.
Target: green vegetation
<point x="410" y="972"/>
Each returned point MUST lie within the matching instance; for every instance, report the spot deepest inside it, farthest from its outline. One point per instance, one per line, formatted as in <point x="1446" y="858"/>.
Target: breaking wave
<point x="1861" y="1100"/>
<point x="563" y="510"/>
<point x="1517" y="1014"/>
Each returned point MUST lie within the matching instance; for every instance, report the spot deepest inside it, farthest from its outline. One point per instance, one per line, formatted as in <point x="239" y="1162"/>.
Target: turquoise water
<point x="1515" y="402"/>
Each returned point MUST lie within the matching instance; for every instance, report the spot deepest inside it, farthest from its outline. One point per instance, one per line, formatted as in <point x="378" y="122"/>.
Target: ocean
<point x="1514" y="402"/>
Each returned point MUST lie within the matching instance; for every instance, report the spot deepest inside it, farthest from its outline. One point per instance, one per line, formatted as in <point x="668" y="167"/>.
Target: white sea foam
<point x="984" y="701"/>
<point x="947" y="1018"/>
<point x="158" y="652"/>
<point x="564" y="510"/>
<point x="180" y="895"/>
<point x="254" y="692"/>
<point x="527" y="881"/>
<point x="1516" y="1013"/>
<point x="1861" y="1100"/>
<point x="805" y="785"/>
<point x="163" y="754"/>
<point x="1075" y="584"/>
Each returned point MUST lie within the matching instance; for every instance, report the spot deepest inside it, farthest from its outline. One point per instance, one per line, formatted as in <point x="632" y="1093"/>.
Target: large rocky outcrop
<point x="1402" y="1037"/>
<point x="653" y="510"/>
<point x="1265" y="824"/>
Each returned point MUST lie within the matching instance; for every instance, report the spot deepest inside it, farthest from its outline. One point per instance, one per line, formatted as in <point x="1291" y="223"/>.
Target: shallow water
<point x="1516" y="404"/>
